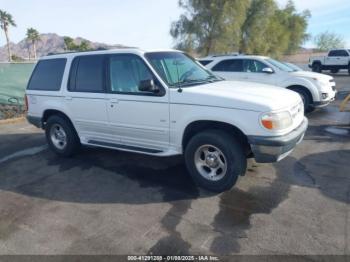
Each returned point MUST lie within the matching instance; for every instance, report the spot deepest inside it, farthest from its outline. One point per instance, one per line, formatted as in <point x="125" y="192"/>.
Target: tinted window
<point x="253" y="66"/>
<point x="205" y="62"/>
<point x="88" y="72"/>
<point x="338" y="53"/>
<point x="342" y="53"/>
<point x="332" y="53"/>
<point x="232" y="65"/>
<point x="126" y="72"/>
<point x="47" y="75"/>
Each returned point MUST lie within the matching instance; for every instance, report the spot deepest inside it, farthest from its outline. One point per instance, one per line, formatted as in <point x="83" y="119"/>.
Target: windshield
<point x="178" y="69"/>
<point x="279" y="65"/>
<point x="293" y="66"/>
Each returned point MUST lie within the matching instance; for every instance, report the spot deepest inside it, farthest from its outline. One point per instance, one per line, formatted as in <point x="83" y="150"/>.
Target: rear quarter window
<point x="47" y="75"/>
<point x="205" y="62"/>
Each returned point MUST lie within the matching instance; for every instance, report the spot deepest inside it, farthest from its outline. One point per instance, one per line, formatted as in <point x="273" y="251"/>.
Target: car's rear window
<point x="47" y="75"/>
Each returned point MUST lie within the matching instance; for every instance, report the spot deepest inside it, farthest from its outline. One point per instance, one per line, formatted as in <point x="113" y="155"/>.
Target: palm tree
<point x="6" y="21"/>
<point x="33" y="36"/>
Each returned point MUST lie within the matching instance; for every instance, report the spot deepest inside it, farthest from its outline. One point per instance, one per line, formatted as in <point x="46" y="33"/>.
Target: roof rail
<point x="93" y="50"/>
<point x="230" y="54"/>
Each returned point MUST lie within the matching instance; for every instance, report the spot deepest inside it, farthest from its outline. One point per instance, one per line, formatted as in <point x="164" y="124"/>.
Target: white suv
<point x="316" y="90"/>
<point x="162" y="103"/>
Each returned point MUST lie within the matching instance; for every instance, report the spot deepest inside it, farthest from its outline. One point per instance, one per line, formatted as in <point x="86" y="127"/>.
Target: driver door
<point x="253" y="72"/>
<point x="138" y="119"/>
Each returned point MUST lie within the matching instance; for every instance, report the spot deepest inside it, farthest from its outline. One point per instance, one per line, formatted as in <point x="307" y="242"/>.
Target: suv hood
<point x="239" y="95"/>
<point x="321" y="77"/>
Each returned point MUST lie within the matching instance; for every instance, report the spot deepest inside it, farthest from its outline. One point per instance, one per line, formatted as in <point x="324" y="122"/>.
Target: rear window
<point x="87" y="74"/>
<point x="47" y="75"/>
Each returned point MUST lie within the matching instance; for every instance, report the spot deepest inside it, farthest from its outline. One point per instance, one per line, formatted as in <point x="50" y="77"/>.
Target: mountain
<point x="48" y="43"/>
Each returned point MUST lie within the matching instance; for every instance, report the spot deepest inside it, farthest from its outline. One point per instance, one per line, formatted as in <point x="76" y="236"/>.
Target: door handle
<point x="68" y="98"/>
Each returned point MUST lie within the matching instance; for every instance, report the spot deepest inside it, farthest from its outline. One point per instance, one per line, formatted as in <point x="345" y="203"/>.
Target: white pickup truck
<point x="336" y="60"/>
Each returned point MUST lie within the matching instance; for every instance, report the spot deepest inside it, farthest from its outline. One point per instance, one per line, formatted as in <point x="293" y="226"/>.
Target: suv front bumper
<point x="272" y="149"/>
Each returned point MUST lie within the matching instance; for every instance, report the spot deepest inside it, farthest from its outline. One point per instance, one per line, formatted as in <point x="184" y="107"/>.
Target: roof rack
<point x="94" y="50"/>
<point x="230" y="54"/>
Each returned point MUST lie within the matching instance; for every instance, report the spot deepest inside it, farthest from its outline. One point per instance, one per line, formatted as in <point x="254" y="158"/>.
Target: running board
<point x="118" y="146"/>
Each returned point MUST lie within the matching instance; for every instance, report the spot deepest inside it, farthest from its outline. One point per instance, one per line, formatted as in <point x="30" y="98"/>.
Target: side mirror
<point x="268" y="70"/>
<point x="148" y="86"/>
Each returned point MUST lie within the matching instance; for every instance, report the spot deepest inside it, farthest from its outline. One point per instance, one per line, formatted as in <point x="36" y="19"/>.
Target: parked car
<point x="163" y="103"/>
<point x="336" y="60"/>
<point x="316" y="90"/>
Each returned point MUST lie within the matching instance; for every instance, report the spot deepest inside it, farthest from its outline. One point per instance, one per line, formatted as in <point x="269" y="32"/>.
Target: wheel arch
<point x="200" y="125"/>
<point x="316" y="62"/>
<point x="301" y="87"/>
<point x="50" y="112"/>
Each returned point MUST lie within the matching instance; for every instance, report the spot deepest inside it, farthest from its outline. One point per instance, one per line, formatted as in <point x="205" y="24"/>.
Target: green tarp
<point x="13" y="81"/>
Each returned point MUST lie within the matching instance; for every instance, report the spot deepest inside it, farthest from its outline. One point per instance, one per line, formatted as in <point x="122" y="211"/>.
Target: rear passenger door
<point x="229" y="69"/>
<point x="140" y="120"/>
<point x="86" y="97"/>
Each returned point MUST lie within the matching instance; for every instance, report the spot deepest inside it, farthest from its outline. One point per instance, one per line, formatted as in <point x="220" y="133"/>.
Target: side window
<point x="253" y="66"/>
<point x="205" y="62"/>
<point x="126" y="72"/>
<point x="230" y="65"/>
<point x="87" y="74"/>
<point x="47" y="75"/>
<point x="333" y="53"/>
<point x="342" y="53"/>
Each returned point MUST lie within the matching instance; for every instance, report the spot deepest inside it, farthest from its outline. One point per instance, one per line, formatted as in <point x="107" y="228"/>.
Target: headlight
<point x="276" y="121"/>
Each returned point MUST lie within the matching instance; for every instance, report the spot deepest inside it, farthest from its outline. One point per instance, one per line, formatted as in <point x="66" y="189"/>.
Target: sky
<point x="141" y="23"/>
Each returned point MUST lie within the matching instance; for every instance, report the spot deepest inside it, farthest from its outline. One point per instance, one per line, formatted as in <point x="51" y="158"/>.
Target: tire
<point x="349" y="69"/>
<point x="334" y="71"/>
<point x="61" y="136"/>
<point x="306" y="99"/>
<point x="231" y="155"/>
<point x="316" y="67"/>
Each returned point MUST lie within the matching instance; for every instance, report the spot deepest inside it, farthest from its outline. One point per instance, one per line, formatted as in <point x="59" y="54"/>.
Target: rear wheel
<point x="316" y="67"/>
<point x="349" y="69"/>
<point x="215" y="160"/>
<point x="61" y="136"/>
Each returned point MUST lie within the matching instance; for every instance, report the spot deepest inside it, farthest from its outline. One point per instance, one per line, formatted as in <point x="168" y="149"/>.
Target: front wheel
<point x="316" y="67"/>
<point x="215" y="160"/>
<point x="305" y="97"/>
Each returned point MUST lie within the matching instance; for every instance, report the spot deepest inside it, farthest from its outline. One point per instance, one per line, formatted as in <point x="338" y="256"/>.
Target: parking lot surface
<point x="110" y="202"/>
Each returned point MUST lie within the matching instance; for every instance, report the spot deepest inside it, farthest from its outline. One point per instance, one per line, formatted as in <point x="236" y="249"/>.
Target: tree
<point x="204" y="27"/>
<point x="69" y="43"/>
<point x="327" y="40"/>
<point x="33" y="36"/>
<point x="84" y="46"/>
<point x="72" y="46"/>
<point x="247" y="26"/>
<point x="6" y="21"/>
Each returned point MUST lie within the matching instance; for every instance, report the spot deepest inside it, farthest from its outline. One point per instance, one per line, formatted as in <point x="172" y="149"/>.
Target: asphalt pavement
<point x="110" y="202"/>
